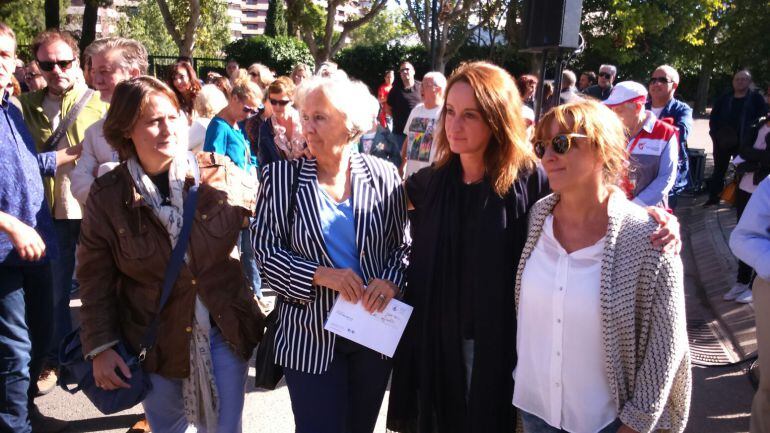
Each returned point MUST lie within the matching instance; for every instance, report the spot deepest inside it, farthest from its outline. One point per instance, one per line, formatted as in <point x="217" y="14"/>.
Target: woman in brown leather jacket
<point x="211" y="322"/>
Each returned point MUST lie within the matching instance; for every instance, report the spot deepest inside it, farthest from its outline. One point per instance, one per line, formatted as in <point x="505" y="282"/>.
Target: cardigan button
<point x="221" y="202"/>
<point x="194" y="282"/>
<point x="204" y="216"/>
<point x="188" y="329"/>
<point x="121" y="231"/>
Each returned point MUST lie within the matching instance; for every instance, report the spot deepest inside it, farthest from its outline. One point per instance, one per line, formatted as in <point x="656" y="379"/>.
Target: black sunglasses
<point x="561" y="144"/>
<point x="48" y="66"/>
<point x="660" y="80"/>
<point x="279" y="102"/>
<point x="251" y="111"/>
<point x="606" y="75"/>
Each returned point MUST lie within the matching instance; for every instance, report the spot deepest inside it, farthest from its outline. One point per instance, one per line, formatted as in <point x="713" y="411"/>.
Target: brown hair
<point x="605" y="131"/>
<point x="53" y="35"/>
<point x="281" y="85"/>
<point x="223" y="84"/>
<point x="133" y="94"/>
<point x="244" y="89"/>
<point x="525" y="81"/>
<point x="508" y="152"/>
<point x="186" y="101"/>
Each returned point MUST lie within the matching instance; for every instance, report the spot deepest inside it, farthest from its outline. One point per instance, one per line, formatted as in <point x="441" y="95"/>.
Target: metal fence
<point x="159" y="65"/>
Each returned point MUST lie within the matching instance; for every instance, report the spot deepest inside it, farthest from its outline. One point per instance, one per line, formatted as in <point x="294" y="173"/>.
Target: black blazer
<point x="379" y="205"/>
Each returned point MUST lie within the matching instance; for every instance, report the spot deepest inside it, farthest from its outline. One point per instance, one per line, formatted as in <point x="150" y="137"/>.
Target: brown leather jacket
<point x="122" y="259"/>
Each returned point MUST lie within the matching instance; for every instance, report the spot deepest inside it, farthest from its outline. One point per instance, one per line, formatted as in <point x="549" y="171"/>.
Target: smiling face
<point x="466" y="129"/>
<point x="576" y="169"/>
<point x="182" y="80"/>
<point x="59" y="79"/>
<point x="107" y="71"/>
<point x="323" y="126"/>
<point x="159" y="133"/>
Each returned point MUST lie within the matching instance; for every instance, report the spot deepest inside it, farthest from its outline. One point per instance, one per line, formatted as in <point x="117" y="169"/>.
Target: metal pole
<point x="540" y="87"/>
<point x="433" y="33"/>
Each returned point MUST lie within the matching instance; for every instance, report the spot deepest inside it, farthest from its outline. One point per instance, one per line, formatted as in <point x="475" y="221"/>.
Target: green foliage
<point x="144" y="23"/>
<point x="27" y="18"/>
<point x="368" y="62"/>
<point x="279" y="53"/>
<point x="275" y="24"/>
<point x="387" y="26"/>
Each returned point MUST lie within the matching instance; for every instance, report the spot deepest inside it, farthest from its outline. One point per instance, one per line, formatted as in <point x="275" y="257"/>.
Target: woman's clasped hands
<point x="374" y="296"/>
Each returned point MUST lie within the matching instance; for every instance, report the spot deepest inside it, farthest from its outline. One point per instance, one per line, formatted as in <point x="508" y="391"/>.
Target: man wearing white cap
<point x="652" y="146"/>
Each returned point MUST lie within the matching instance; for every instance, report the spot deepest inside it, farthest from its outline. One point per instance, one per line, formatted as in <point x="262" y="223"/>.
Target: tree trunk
<point x="52" y="14"/>
<point x="90" y="17"/>
<point x="704" y="79"/>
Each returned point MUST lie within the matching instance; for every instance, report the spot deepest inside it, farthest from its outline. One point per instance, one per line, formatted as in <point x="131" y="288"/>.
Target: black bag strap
<point x="68" y="120"/>
<point x="293" y="198"/>
<point x="173" y="268"/>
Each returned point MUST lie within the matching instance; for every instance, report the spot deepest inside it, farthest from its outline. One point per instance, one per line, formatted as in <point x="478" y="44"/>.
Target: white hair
<point x="670" y="71"/>
<point x="350" y="97"/>
<point x="613" y="70"/>
<point x="438" y="79"/>
<point x="210" y="101"/>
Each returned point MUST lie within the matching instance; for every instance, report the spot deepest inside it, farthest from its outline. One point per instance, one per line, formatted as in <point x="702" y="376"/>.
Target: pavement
<point x="722" y="336"/>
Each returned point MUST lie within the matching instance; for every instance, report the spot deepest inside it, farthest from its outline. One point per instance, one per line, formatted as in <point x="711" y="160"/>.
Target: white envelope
<point x="380" y="332"/>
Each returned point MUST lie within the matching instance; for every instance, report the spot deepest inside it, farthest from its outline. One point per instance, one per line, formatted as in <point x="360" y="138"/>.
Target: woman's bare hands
<point x="345" y="281"/>
<point x="378" y="295"/>
<point x="104" y="365"/>
<point x="667" y="235"/>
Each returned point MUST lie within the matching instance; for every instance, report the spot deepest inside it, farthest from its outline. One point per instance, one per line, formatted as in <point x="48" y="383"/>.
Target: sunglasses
<point x="251" y="111"/>
<point x="278" y="102"/>
<point x="48" y="66"/>
<point x="606" y="75"/>
<point x="660" y="80"/>
<point x="560" y="144"/>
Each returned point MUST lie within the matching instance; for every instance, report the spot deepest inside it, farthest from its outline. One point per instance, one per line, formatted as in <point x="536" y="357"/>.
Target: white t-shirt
<point x="420" y="151"/>
<point x="657" y="111"/>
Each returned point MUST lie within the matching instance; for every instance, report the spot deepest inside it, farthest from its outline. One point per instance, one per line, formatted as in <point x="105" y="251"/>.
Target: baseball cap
<point x="626" y="91"/>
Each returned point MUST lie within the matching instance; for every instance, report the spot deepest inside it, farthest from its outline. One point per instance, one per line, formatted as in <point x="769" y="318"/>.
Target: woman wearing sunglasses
<point x="452" y="370"/>
<point x="601" y="336"/>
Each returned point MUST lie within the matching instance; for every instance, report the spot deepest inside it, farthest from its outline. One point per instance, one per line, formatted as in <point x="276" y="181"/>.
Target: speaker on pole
<point x="551" y="24"/>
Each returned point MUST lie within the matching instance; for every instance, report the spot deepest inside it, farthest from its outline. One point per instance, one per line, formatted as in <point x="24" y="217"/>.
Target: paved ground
<point x="721" y="395"/>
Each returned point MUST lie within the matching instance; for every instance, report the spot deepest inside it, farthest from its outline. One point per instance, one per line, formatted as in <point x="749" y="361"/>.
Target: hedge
<point x="279" y="53"/>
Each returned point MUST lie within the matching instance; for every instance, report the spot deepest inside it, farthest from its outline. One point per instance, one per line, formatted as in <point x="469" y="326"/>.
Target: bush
<point x="368" y="63"/>
<point x="279" y="53"/>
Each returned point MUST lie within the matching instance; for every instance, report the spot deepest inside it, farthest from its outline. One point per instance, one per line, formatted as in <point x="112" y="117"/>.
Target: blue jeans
<point x="164" y="406"/>
<point x="249" y="263"/>
<point x="533" y="424"/>
<point x="67" y="233"/>
<point x="26" y="305"/>
<point x="344" y="399"/>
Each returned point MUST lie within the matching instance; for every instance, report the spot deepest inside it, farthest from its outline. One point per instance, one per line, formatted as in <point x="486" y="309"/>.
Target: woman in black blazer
<point x="340" y="230"/>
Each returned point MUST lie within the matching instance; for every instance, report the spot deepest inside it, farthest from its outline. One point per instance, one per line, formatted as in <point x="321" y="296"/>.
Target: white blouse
<point x="561" y="375"/>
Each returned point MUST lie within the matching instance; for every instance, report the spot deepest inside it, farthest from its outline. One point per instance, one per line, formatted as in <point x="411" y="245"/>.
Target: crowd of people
<point x="534" y="251"/>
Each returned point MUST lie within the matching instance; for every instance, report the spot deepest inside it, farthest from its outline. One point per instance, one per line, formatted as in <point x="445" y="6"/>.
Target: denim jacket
<point x="681" y="114"/>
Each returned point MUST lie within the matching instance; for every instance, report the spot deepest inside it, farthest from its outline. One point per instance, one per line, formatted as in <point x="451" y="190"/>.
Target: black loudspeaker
<point x="550" y="24"/>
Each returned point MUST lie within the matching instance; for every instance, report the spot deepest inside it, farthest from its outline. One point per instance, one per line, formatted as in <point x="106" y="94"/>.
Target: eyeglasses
<point x="278" y="102"/>
<point x="606" y="75"/>
<point x="560" y="144"/>
<point x="660" y="80"/>
<point x="251" y="111"/>
<point x="48" y="66"/>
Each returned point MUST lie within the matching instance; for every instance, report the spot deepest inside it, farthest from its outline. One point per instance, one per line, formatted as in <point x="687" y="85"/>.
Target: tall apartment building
<point x="246" y="18"/>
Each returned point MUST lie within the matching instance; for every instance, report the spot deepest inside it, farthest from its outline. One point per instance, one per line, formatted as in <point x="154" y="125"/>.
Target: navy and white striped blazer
<point x="379" y="205"/>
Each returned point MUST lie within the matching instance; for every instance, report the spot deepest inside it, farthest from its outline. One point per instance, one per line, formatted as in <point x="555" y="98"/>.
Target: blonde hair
<point x="605" y="131"/>
<point x="262" y="75"/>
<point x="244" y="89"/>
<point x="508" y="152"/>
<point x="210" y="101"/>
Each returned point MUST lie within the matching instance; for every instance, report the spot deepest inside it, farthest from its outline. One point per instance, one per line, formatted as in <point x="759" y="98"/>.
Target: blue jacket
<point x="681" y="114"/>
<point x="21" y="184"/>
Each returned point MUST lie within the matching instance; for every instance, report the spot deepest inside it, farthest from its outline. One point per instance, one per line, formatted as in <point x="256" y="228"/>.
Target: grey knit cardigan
<point x="646" y="350"/>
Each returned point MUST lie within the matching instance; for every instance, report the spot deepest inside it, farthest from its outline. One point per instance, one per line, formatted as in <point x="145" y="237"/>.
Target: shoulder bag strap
<point x="69" y="119"/>
<point x="173" y="268"/>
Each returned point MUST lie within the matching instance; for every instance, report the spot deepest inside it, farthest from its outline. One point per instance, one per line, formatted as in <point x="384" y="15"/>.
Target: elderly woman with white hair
<point x="330" y="226"/>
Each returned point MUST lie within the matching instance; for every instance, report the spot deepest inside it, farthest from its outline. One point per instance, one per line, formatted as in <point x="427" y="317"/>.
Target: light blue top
<point x="225" y="140"/>
<point x="750" y="240"/>
<point x="338" y="227"/>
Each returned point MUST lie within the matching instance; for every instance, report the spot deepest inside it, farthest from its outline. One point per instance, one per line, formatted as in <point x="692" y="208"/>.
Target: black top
<point x="162" y="183"/>
<point x="736" y="110"/>
<point x="597" y="92"/>
<point x="471" y="204"/>
<point x="451" y="245"/>
<point x="401" y="102"/>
